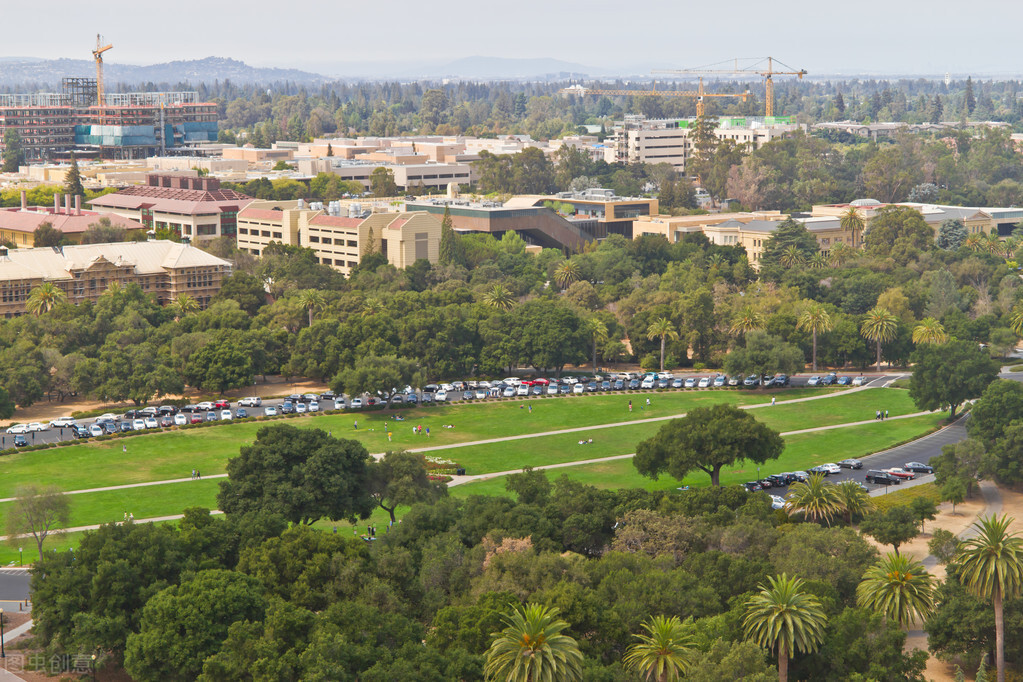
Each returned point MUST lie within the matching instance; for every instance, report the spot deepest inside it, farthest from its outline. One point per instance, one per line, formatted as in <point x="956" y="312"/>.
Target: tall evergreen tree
<point x="840" y="104"/>
<point x="971" y="101"/>
<point x="73" y="179"/>
<point x="14" y="151"/>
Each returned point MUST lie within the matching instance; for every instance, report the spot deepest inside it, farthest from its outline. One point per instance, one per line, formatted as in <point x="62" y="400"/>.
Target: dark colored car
<point x="167" y="410"/>
<point x="468" y="395"/>
<point x="188" y="408"/>
<point x="327" y="395"/>
<point x="592" y="387"/>
<point x="778" y="381"/>
<point x="110" y="427"/>
<point x="124" y="426"/>
<point x="844" y="381"/>
<point x="918" y="468"/>
<point x="752" y="486"/>
<point x="851" y="464"/>
<point x="565" y="389"/>
<point x="427" y="397"/>
<point x="829" y="379"/>
<point x="619" y="384"/>
<point x="166" y="421"/>
<point x="633" y="384"/>
<point x="287" y="407"/>
<point x="134" y="414"/>
<point x="80" y="431"/>
<point x="242" y="413"/>
<point x="780" y="480"/>
<point x="766" y="483"/>
<point x="20" y="440"/>
<point x="882" y="478"/>
<point x="411" y="398"/>
<point x="605" y="385"/>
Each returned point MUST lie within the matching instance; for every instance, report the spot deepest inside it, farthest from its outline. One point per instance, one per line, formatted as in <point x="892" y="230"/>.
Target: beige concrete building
<point x="253" y="154"/>
<point x="406" y="176"/>
<point x="339" y="241"/>
<point x="164" y="269"/>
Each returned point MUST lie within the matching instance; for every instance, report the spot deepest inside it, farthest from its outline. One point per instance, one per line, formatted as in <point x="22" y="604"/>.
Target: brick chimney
<point x="67" y="204"/>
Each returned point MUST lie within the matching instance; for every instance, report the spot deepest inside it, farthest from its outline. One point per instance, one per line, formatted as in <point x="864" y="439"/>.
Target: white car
<point x="314" y="405"/>
<point x="648" y="382"/>
<point x="777" y="502"/>
<point x="96" y="430"/>
<point x="859" y="381"/>
<point x="522" y="389"/>
<point x="552" y="389"/>
<point x="339" y="403"/>
<point x="481" y="394"/>
<point x="251" y="401"/>
<point x="36" y="426"/>
<point x="447" y="387"/>
<point x="483" y="384"/>
<point x="138" y="425"/>
<point x="108" y="417"/>
<point x="225" y="415"/>
<point x="704" y="382"/>
<point x="831" y="468"/>
<point x="509" y="392"/>
<point x="356" y="403"/>
<point x="720" y="380"/>
<point x="512" y="381"/>
<point x="18" y="428"/>
<point x="204" y="406"/>
<point x="151" y="423"/>
<point x="663" y="375"/>
<point x="578" y="389"/>
<point x="441" y="396"/>
<point x="63" y="422"/>
<point x="270" y="411"/>
<point x="180" y="419"/>
<point x="300" y="408"/>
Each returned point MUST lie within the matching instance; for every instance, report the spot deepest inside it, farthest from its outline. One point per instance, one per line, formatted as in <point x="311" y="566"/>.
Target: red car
<point x="222" y="404"/>
<point x="196" y="418"/>
<point x="901" y="473"/>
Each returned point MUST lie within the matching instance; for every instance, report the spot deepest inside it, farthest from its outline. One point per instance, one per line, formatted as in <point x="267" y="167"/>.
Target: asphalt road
<point x="13" y="584"/>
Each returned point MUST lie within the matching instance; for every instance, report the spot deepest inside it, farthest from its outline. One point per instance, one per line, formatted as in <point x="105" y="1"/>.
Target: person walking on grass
<point x="630" y="407"/>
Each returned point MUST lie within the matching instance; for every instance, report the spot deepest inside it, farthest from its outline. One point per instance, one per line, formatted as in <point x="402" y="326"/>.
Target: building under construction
<point x="131" y="125"/>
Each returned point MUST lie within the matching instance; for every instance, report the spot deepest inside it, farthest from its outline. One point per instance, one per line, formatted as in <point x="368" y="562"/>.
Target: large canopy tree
<point x="707" y="439"/>
<point x="302" y="474"/>
<point x="946" y="375"/>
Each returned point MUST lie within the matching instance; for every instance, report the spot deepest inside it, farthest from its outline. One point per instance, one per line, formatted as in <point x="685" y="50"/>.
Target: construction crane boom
<point x="754" y="69"/>
<point x="699" y="93"/>
<point x="97" y="54"/>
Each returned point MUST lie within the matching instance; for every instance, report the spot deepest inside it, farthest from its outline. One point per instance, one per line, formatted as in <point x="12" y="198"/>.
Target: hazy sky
<point x="821" y="36"/>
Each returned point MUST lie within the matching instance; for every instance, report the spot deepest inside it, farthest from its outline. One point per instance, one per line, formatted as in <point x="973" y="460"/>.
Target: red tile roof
<point x="261" y="214"/>
<point x="173" y="200"/>
<point x="28" y="221"/>
<point x="335" y="221"/>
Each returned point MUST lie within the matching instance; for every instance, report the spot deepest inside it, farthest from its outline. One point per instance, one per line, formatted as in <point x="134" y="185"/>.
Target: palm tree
<point x="973" y="242"/>
<point x="566" y="274"/>
<point x="786" y="618"/>
<point x="818" y="261"/>
<point x="185" y="305"/>
<point x="880" y="326"/>
<point x="791" y="256"/>
<point x="44" y="298"/>
<point x="853" y="500"/>
<point x="840" y="253"/>
<point x="312" y="300"/>
<point x="815" y="318"/>
<point x="665" y="653"/>
<point x="531" y="648"/>
<point x="899" y="587"/>
<point x="663" y="328"/>
<point x="929" y="331"/>
<point x="1016" y="321"/>
<point x="498" y="297"/>
<point x="992" y="568"/>
<point x="598" y="330"/>
<point x="113" y="290"/>
<point x="746" y="320"/>
<point x="851" y="220"/>
<point x="993" y="244"/>
<point x="815" y="498"/>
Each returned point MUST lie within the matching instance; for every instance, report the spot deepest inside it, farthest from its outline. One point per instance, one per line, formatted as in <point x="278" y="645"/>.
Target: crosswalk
<point x="13" y="571"/>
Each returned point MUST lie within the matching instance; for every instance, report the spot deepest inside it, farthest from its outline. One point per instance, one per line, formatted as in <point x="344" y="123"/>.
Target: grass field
<point x="173" y="454"/>
<point x="801" y="451"/>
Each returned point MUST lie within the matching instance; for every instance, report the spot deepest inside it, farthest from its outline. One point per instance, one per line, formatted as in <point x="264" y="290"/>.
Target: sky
<point x="822" y="36"/>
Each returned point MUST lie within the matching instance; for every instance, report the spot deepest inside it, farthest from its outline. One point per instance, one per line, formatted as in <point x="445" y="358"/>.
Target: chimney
<point x="67" y="204"/>
<point x="56" y="204"/>
<point x="78" y="204"/>
<point x="24" y="200"/>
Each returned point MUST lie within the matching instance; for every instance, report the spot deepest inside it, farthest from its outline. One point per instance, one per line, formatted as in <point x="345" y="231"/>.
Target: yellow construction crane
<point x="699" y="93"/>
<point x="756" y="68"/>
<point x="97" y="54"/>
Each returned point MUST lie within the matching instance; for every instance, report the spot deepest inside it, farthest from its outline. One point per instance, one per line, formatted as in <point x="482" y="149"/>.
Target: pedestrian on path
<point x="886" y="414"/>
<point x="630" y="407"/>
<point x="877" y="415"/>
<point x="193" y="474"/>
<point x="773" y="398"/>
<point x="198" y="475"/>
<point x="131" y="517"/>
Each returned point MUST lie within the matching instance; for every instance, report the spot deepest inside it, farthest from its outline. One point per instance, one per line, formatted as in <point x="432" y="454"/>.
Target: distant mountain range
<point x="48" y="72"/>
<point x="19" y="71"/>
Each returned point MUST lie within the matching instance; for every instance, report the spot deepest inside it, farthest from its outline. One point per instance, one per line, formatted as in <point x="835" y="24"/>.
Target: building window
<point x="314" y="240"/>
<point x="351" y="242"/>
<point x="242" y="230"/>
<point x="265" y="233"/>
<point x="327" y="261"/>
<point x="278" y="235"/>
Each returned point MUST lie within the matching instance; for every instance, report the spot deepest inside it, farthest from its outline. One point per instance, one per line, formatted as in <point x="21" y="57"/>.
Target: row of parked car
<point x="890" y="476"/>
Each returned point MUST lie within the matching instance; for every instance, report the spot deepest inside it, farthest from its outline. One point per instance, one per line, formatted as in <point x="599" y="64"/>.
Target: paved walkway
<point x="77" y="529"/>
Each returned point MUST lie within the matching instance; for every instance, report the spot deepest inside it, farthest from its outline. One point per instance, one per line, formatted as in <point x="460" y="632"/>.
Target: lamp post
<point x="92" y="668"/>
<point x="21" y="556"/>
<point x="3" y="654"/>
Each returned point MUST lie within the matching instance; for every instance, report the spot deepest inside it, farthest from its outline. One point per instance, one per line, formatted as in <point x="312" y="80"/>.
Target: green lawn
<point x="173" y="454"/>
<point x="801" y="451"/>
